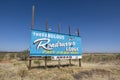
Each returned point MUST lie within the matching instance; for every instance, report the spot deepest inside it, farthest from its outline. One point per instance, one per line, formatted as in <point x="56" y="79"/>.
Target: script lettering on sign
<point x="44" y="43"/>
<point x="41" y="44"/>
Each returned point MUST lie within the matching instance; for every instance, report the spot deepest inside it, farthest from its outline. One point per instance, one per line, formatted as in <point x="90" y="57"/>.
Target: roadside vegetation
<point x="96" y="66"/>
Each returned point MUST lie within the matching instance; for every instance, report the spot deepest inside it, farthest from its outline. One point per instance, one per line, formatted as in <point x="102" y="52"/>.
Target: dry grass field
<point x="94" y="67"/>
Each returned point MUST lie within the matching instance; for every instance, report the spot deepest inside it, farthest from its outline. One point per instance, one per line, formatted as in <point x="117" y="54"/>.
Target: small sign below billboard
<point x="54" y="44"/>
<point x="65" y="57"/>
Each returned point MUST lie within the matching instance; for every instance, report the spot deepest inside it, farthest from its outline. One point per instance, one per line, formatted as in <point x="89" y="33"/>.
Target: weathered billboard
<point x="54" y="44"/>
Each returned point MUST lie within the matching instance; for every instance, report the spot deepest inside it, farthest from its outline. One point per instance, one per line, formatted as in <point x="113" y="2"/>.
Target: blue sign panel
<point x="54" y="44"/>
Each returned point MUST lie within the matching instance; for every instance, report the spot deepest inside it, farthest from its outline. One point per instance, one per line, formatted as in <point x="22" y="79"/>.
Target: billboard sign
<point x="54" y="44"/>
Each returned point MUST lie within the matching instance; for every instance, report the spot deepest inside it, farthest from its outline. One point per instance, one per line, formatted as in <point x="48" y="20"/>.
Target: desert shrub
<point x="11" y="56"/>
<point x="36" y="61"/>
<point x="91" y="74"/>
<point x="2" y="56"/>
<point x="19" y="55"/>
<point x="49" y="58"/>
<point x="24" y="55"/>
<point x="17" y="63"/>
<point x="118" y="56"/>
<point x="87" y="58"/>
<point x="100" y="57"/>
<point x="22" y="73"/>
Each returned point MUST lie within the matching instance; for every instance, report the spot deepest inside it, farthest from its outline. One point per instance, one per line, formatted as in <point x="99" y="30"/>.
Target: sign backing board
<point x="54" y="44"/>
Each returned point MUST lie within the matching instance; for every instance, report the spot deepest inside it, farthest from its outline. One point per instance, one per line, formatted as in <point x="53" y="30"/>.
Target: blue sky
<point x="98" y="20"/>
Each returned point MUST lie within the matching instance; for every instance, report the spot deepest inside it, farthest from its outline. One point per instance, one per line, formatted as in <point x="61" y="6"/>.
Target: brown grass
<point x="94" y="67"/>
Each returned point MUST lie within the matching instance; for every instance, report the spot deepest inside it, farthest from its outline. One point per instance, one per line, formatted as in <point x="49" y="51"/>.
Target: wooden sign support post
<point x="29" y="63"/>
<point x="78" y="31"/>
<point x="79" y="62"/>
<point x="47" y="35"/>
<point x="69" y="59"/>
<point x="46" y="62"/>
<point x="59" y="32"/>
<point x="32" y="27"/>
